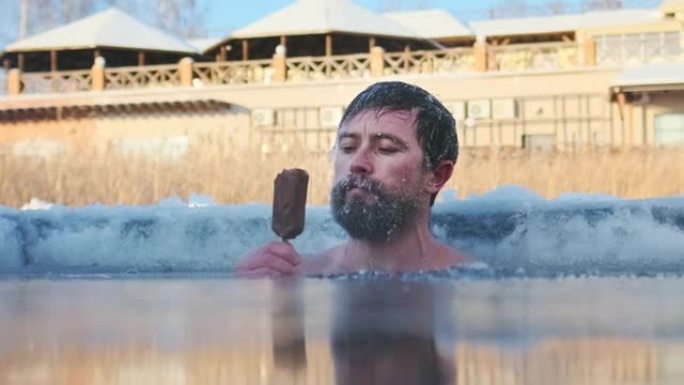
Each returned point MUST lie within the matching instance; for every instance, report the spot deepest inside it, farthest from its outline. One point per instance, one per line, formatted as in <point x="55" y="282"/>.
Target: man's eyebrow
<point x="344" y="135"/>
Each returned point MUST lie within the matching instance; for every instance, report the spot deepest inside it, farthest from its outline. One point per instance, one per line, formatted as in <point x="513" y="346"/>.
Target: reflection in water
<point x="300" y="332"/>
<point x="384" y="334"/>
<point x="289" y="341"/>
<point x="571" y="362"/>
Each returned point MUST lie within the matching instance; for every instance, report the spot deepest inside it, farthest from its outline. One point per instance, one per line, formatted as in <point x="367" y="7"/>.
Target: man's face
<point x="379" y="177"/>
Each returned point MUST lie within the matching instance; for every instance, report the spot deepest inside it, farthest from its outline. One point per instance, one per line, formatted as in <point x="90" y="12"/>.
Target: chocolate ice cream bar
<point x="289" y="203"/>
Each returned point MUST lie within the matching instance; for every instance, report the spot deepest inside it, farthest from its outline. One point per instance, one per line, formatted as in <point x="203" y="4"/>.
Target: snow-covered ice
<point x="509" y="229"/>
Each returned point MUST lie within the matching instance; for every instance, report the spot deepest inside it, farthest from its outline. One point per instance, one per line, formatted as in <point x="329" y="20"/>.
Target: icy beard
<point x="377" y="221"/>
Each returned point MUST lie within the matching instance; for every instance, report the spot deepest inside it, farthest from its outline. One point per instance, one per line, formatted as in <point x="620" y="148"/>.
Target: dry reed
<point x="217" y="169"/>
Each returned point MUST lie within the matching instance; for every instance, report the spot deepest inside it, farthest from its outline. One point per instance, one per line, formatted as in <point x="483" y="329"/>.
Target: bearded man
<point x="396" y="148"/>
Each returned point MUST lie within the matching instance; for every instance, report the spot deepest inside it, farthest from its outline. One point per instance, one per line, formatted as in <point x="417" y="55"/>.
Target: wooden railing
<point x="640" y="48"/>
<point x="533" y="56"/>
<point x="328" y="67"/>
<point x="252" y="71"/>
<point x="429" y="62"/>
<point x="57" y="82"/>
<point x="610" y="50"/>
<point x="166" y="75"/>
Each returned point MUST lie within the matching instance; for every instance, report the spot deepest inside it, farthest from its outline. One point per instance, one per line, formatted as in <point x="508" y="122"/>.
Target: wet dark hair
<point x="435" y="126"/>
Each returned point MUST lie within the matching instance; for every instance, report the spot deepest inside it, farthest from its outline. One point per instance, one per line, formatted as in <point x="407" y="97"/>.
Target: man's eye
<point x="387" y="150"/>
<point x="347" y="149"/>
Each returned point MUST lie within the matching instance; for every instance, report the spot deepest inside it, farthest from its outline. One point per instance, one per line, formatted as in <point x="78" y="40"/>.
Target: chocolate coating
<point x="289" y="202"/>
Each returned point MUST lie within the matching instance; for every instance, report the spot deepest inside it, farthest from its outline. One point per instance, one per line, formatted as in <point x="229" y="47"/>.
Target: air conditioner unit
<point x="263" y="117"/>
<point x="457" y="109"/>
<point x="479" y="109"/>
<point x="504" y="109"/>
<point x="330" y="116"/>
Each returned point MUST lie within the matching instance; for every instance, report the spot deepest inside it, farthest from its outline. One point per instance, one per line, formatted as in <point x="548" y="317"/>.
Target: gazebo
<point x="318" y="28"/>
<point x="112" y="34"/>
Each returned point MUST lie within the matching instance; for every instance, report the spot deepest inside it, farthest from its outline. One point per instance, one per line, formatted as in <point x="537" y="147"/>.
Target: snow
<point x="304" y="17"/>
<point x="111" y="28"/>
<point x="509" y="229"/>
<point x="564" y="23"/>
<point x="654" y="74"/>
<point x="431" y="23"/>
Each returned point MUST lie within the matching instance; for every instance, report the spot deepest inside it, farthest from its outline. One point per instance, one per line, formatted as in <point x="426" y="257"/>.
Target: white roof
<point x="204" y="44"/>
<point x="322" y="16"/>
<point x="111" y="28"/>
<point x="431" y="24"/>
<point x="654" y="74"/>
<point x="564" y="23"/>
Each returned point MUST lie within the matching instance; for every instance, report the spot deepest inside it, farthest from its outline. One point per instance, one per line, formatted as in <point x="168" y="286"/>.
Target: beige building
<point x="609" y="78"/>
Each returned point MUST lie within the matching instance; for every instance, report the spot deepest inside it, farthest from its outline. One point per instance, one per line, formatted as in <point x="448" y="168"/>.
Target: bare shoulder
<point x="454" y="257"/>
<point x="321" y="263"/>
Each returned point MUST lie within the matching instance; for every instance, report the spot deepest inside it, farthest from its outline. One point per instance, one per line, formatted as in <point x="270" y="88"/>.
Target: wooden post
<point x="97" y="74"/>
<point x="6" y="65"/>
<point x="141" y="58"/>
<point x="54" y="84"/>
<point x="279" y="66"/>
<point x="481" y="56"/>
<point x="328" y="45"/>
<point x="223" y="53"/>
<point x="589" y="51"/>
<point x="283" y="41"/>
<point x="371" y="43"/>
<point x="14" y="82"/>
<point x="53" y="61"/>
<point x="96" y="54"/>
<point x="185" y="69"/>
<point x="625" y="118"/>
<point x="20" y="61"/>
<point x="245" y="50"/>
<point x="377" y="61"/>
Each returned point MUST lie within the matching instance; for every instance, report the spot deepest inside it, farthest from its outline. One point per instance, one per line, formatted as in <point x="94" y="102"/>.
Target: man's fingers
<point x="262" y="272"/>
<point x="285" y="251"/>
<point x="275" y="263"/>
<point x="264" y="260"/>
<point x="280" y="257"/>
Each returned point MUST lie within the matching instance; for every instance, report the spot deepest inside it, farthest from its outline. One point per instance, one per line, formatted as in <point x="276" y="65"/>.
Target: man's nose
<point x="361" y="164"/>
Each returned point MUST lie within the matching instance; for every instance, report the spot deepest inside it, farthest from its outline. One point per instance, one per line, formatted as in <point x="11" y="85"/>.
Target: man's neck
<point x="412" y="249"/>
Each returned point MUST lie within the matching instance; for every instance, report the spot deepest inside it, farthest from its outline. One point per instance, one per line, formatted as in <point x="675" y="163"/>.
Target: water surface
<point x="189" y="330"/>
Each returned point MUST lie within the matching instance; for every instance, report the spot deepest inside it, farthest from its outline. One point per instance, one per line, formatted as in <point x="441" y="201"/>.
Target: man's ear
<point x="439" y="176"/>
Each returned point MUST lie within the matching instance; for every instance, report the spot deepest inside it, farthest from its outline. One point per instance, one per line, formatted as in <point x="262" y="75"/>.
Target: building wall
<point x="561" y="109"/>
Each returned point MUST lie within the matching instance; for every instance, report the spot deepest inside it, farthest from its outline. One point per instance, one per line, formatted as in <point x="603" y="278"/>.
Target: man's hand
<point x="275" y="259"/>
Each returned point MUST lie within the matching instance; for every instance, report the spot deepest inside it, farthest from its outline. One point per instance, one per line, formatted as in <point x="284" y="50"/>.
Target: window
<point x="539" y="142"/>
<point x="669" y="129"/>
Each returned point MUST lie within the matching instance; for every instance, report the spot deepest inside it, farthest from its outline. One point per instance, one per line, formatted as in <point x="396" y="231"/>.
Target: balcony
<point x="609" y="50"/>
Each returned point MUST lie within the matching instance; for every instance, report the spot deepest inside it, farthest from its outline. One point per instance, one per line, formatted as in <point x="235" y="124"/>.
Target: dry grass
<point x="240" y="176"/>
<point x="633" y="173"/>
